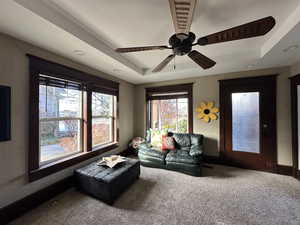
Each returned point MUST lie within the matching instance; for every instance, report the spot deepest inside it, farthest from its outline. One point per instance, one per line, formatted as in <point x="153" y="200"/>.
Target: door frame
<point x="224" y="85"/>
<point x="295" y="81"/>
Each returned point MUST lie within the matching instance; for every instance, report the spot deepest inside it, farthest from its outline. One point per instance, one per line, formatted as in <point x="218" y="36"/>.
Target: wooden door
<point x="248" y="122"/>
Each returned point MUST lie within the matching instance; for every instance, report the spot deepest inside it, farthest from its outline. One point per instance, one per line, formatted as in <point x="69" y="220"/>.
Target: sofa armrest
<point x="196" y="150"/>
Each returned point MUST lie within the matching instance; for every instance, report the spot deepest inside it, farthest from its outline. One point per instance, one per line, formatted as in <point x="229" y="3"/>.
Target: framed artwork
<point x="5" y="113"/>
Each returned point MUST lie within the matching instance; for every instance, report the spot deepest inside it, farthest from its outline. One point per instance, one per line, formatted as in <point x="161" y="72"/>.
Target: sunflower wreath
<point x="207" y="111"/>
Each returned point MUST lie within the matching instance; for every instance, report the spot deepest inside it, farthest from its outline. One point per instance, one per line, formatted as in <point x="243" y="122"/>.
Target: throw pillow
<point x="167" y="143"/>
<point x="156" y="137"/>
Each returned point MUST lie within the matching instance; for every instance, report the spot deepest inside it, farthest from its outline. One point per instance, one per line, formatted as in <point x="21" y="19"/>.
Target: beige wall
<point x="13" y="154"/>
<point x="207" y="89"/>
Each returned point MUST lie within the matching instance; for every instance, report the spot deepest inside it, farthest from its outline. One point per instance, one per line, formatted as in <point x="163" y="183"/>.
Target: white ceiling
<point x="97" y="27"/>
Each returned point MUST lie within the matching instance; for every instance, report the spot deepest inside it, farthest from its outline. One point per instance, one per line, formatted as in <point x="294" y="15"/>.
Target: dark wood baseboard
<point x="285" y="170"/>
<point x="298" y="175"/>
<point x="212" y="159"/>
<point x="280" y="169"/>
<point x="218" y="160"/>
<point x="20" y="207"/>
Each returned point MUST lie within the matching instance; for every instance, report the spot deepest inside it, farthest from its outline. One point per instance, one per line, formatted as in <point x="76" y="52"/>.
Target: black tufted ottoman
<point x="107" y="183"/>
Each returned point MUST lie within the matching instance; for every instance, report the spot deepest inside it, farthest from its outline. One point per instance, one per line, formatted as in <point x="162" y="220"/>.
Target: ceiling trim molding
<point x="292" y="20"/>
<point x="71" y="25"/>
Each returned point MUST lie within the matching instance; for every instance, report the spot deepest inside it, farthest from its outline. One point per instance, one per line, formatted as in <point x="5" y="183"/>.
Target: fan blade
<point x="182" y="14"/>
<point x="138" y="49"/>
<point x="248" y="30"/>
<point x="201" y="60"/>
<point x="163" y="63"/>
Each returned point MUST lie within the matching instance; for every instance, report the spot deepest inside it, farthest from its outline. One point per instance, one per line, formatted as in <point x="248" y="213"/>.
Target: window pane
<point x="245" y="122"/>
<point x="168" y="114"/>
<point x="182" y="116"/>
<point x="59" y="102"/>
<point x="171" y="114"/>
<point x="102" y="104"/>
<point x="102" y="131"/>
<point x="59" y="138"/>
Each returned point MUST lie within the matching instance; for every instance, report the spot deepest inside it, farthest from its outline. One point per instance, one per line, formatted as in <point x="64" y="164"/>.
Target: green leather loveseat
<point x="186" y="158"/>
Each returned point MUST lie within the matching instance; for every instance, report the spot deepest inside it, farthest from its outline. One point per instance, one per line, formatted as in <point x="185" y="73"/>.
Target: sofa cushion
<point x="179" y="156"/>
<point x="153" y="153"/>
<point x="182" y="140"/>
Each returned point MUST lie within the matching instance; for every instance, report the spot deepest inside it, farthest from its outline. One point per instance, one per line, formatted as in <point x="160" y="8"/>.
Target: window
<point x="171" y="114"/>
<point x="73" y="117"/>
<point x="170" y="107"/>
<point x="103" y="119"/>
<point x="60" y="121"/>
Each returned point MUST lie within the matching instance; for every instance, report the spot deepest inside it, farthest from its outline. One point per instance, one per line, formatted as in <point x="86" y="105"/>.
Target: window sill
<point x="59" y="165"/>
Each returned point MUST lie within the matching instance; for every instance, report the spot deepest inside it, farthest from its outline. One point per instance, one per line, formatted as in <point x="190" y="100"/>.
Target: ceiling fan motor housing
<point x="182" y="43"/>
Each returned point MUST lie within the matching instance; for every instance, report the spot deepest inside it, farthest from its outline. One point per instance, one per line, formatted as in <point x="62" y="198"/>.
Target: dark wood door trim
<point x="225" y="87"/>
<point x="295" y="81"/>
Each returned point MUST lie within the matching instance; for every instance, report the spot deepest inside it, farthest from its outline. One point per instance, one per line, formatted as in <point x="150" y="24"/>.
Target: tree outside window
<point x="170" y="114"/>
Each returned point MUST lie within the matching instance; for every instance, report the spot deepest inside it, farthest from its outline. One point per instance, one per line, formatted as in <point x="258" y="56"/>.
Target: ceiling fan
<point x="183" y="40"/>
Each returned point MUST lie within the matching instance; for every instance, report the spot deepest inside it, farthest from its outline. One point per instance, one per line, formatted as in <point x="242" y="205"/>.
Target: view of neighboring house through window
<point x="60" y="113"/>
<point x="103" y="118"/>
<point x="73" y="117"/>
<point x="171" y="114"/>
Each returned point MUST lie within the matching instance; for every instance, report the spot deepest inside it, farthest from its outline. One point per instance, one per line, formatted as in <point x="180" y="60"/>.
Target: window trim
<point x="39" y="66"/>
<point x="156" y="93"/>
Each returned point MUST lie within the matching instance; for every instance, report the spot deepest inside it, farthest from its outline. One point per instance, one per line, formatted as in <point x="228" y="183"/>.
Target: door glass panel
<point x="245" y="122"/>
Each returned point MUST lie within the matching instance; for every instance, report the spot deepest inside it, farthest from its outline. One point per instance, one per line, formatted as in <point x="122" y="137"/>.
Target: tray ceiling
<point x="98" y="27"/>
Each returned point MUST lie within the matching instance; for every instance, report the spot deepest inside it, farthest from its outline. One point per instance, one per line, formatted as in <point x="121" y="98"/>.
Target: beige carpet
<point x="225" y="196"/>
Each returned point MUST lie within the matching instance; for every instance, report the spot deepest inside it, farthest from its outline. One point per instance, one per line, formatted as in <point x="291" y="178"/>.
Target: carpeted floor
<point x="225" y="196"/>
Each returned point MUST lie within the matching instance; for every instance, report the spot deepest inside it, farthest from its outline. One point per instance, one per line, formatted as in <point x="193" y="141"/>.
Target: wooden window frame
<point x="188" y="88"/>
<point x="39" y="66"/>
<point x="295" y="81"/>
